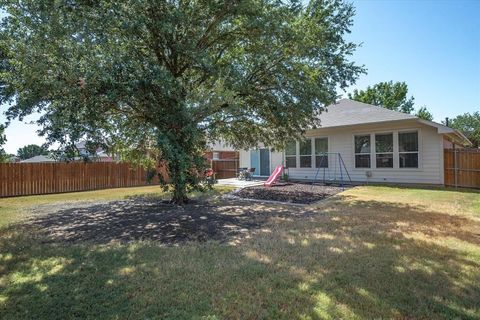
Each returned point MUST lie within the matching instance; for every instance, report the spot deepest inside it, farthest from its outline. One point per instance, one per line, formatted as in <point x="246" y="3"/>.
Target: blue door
<point x="260" y="160"/>
<point x="255" y="161"/>
<point x="264" y="162"/>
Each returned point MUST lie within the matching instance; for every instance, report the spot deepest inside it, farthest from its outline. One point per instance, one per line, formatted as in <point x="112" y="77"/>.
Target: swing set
<point x="334" y="176"/>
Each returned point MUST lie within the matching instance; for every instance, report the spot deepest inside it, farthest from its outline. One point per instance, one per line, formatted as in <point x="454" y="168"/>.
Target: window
<point x="321" y="148"/>
<point x="408" y="149"/>
<point x="362" y="151"/>
<point x="306" y="153"/>
<point x="291" y="154"/>
<point x="384" y="150"/>
<point x="216" y="155"/>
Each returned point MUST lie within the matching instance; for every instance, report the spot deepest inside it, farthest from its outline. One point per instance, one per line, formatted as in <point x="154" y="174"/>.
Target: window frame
<point x="291" y="155"/>
<point x="362" y="153"/>
<point x="300" y="155"/>
<point x="315" y="155"/>
<point x="376" y="153"/>
<point x="418" y="167"/>
<point x="396" y="146"/>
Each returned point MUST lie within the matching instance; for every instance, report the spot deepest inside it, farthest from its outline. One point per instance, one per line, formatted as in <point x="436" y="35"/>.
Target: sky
<point x="433" y="46"/>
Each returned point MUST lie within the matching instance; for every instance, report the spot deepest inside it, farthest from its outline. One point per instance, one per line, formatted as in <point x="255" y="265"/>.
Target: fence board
<point x="225" y="168"/>
<point x="19" y="179"/>
<point x="462" y="167"/>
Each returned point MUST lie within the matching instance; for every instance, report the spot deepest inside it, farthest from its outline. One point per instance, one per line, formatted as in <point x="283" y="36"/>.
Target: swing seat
<point x="329" y="182"/>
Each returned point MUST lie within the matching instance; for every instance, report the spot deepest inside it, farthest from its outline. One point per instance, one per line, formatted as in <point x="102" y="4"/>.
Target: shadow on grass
<point x="360" y="259"/>
<point x="151" y="219"/>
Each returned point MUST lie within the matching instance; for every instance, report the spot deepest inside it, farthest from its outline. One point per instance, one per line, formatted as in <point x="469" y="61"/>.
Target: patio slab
<point x="234" y="182"/>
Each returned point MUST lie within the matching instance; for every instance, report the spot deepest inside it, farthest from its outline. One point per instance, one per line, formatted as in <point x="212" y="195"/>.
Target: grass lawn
<point x="369" y="252"/>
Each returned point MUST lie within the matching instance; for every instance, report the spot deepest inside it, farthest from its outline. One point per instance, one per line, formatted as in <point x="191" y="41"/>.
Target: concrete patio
<point x="234" y="182"/>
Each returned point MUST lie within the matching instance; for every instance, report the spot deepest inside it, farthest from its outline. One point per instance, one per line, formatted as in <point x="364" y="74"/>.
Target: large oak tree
<point x="155" y="80"/>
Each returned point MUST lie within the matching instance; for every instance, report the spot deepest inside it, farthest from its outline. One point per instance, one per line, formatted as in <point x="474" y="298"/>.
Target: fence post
<point x="455" y="173"/>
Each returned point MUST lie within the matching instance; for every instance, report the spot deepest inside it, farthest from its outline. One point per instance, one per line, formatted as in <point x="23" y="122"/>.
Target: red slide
<point x="274" y="177"/>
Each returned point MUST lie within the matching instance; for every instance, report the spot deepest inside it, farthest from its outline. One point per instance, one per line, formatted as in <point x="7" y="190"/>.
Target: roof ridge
<point x="379" y="107"/>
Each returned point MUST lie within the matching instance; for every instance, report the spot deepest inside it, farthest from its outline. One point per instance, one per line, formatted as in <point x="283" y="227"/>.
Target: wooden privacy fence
<point x="225" y="168"/>
<point x="19" y="179"/>
<point x="462" y="167"/>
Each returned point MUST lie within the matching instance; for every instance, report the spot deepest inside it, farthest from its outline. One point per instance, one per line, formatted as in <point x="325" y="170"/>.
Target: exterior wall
<point x="447" y="144"/>
<point x="244" y="159"/>
<point x="276" y="159"/>
<point x="341" y="140"/>
<point x="222" y="155"/>
<point x="220" y="146"/>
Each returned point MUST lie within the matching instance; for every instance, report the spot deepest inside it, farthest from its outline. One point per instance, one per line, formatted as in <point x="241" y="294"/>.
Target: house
<point x="223" y="159"/>
<point x="375" y="144"/>
<point x="39" y="159"/>
<point x="99" y="155"/>
<point x="219" y="150"/>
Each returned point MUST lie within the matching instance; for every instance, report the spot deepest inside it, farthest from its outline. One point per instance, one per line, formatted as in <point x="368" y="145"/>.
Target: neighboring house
<point x="219" y="150"/>
<point x="223" y="159"/>
<point x="39" y="159"/>
<point x="376" y="144"/>
<point x="98" y="156"/>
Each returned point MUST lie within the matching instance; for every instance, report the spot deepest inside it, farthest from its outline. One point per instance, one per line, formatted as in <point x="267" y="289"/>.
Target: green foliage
<point x="389" y="95"/>
<point x="31" y="150"/>
<point x="155" y="80"/>
<point x="2" y="135"/>
<point x="468" y="124"/>
<point x="4" y="157"/>
<point x="424" y="114"/>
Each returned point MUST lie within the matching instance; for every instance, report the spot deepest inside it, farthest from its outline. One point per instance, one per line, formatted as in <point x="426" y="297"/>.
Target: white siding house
<point x="375" y="144"/>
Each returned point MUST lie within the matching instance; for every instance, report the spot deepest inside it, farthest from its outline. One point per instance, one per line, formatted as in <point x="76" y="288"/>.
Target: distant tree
<point x="30" y="151"/>
<point x="424" y="114"/>
<point x="392" y="96"/>
<point x="156" y="80"/>
<point x="4" y="157"/>
<point x="389" y="95"/>
<point x="469" y="125"/>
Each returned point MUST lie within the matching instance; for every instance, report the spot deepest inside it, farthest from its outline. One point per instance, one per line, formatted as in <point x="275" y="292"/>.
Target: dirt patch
<point x="293" y="192"/>
<point x="153" y="220"/>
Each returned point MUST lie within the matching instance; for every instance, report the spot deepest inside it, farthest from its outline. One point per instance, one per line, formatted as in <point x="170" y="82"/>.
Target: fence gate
<point x="462" y="167"/>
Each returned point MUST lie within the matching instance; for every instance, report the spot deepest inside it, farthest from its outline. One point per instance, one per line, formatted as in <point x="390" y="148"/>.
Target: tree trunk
<point x="179" y="194"/>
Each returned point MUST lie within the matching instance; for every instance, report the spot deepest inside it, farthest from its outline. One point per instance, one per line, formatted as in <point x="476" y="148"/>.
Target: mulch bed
<point x="302" y="193"/>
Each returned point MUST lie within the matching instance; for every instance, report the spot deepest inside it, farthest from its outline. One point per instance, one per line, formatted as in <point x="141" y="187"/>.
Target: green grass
<point x="370" y="252"/>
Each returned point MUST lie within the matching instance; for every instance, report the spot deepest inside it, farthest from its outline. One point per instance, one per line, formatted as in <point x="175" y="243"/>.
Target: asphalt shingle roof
<point x="348" y="112"/>
<point x="38" y="159"/>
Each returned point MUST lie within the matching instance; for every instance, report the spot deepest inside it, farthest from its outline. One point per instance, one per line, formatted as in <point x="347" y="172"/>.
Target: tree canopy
<point x="3" y="155"/>
<point x="469" y="125"/>
<point x="424" y="114"/>
<point x="155" y="80"/>
<point x="30" y="151"/>
<point x="391" y="95"/>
